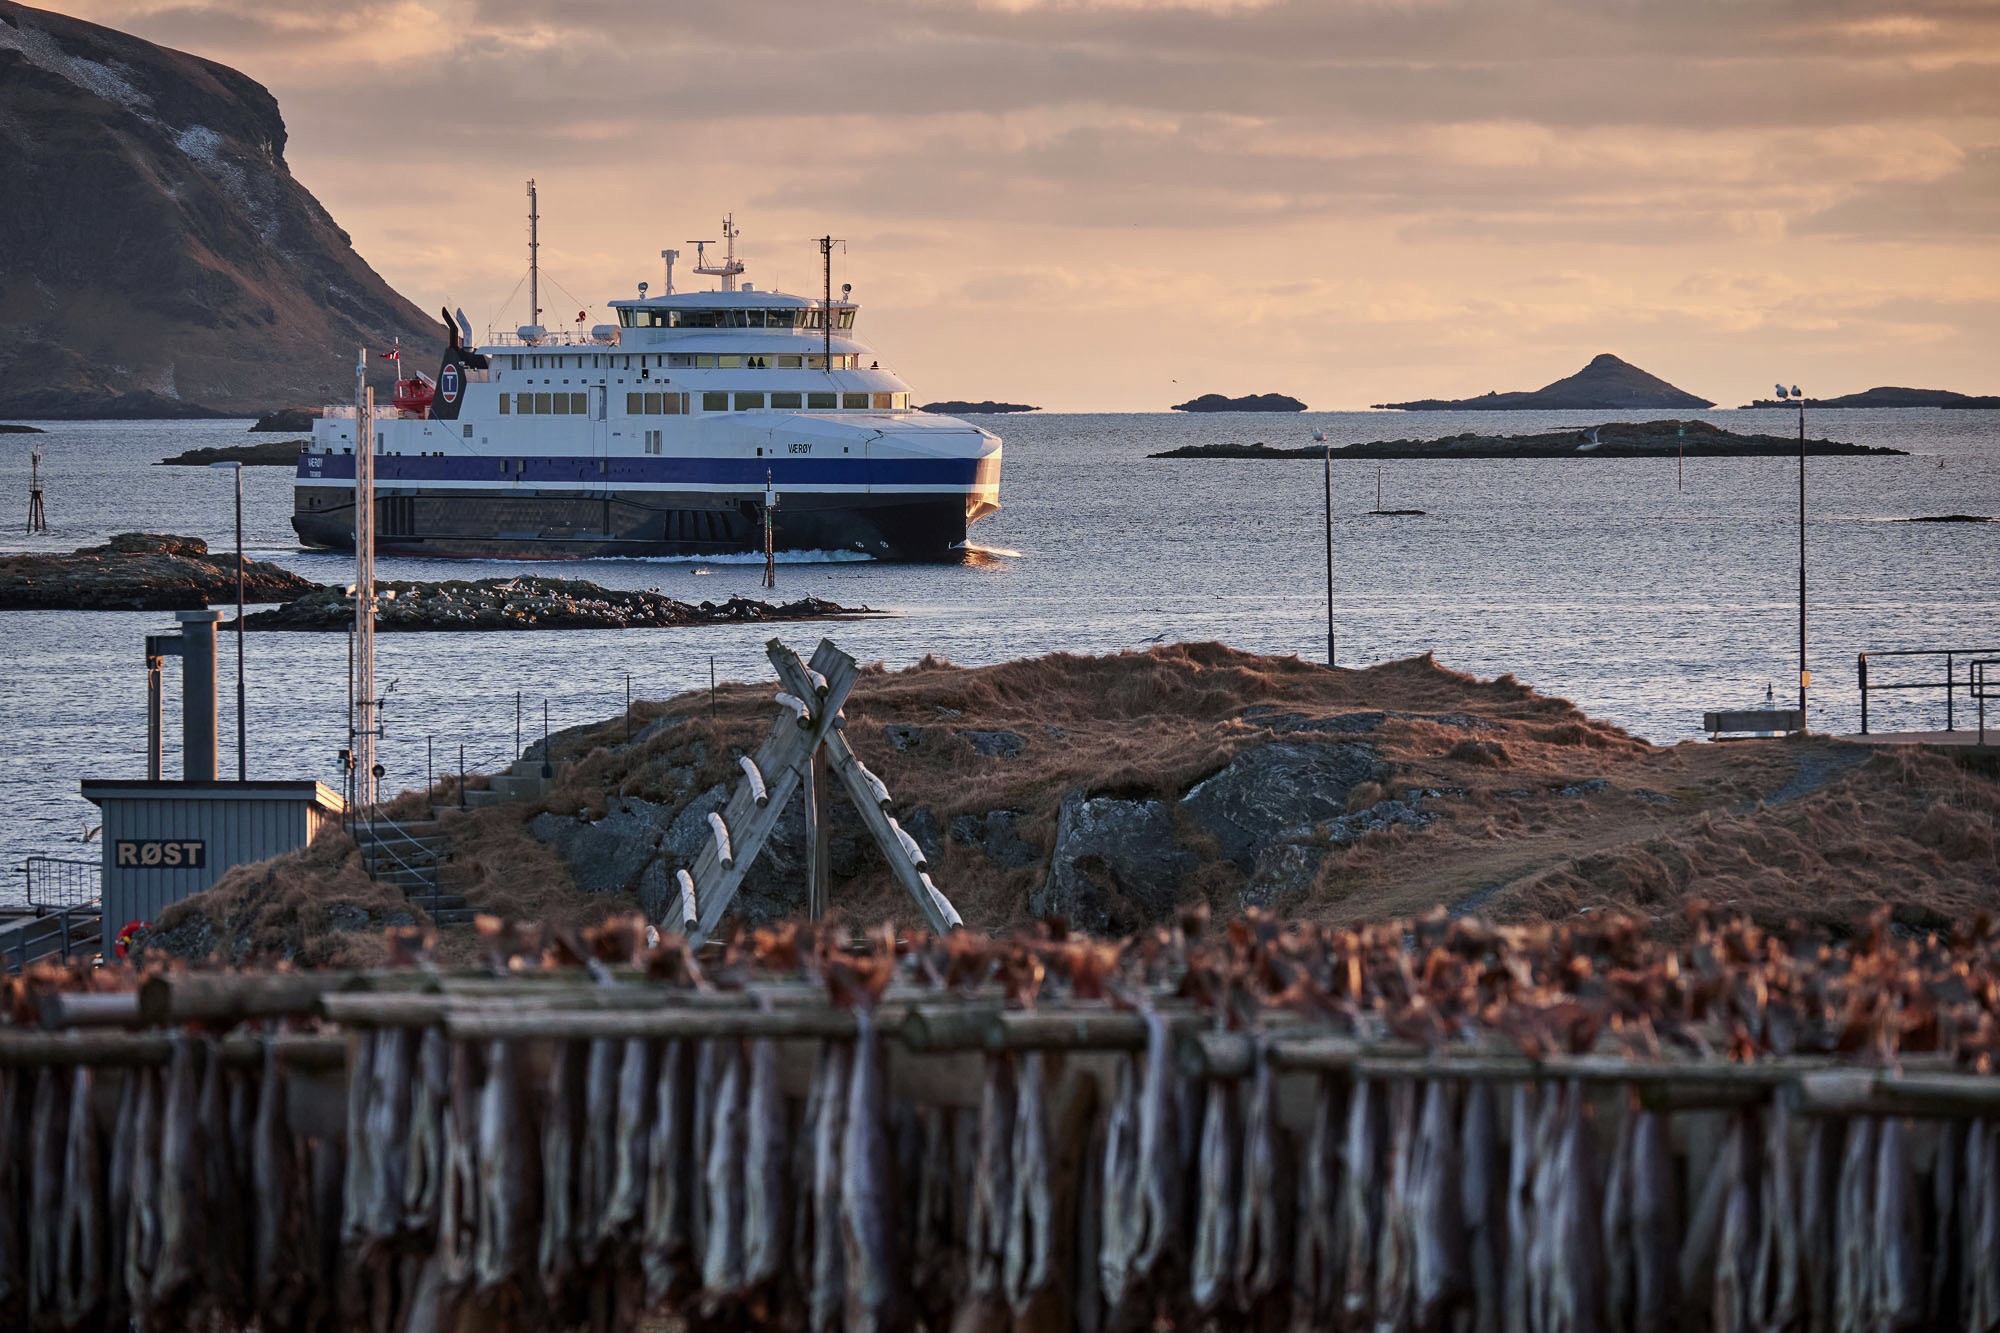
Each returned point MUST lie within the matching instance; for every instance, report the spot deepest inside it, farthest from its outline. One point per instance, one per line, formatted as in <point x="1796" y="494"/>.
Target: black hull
<point x="482" y="525"/>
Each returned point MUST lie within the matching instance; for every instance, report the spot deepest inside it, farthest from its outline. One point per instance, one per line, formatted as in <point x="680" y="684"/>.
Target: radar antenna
<point x="730" y="267"/>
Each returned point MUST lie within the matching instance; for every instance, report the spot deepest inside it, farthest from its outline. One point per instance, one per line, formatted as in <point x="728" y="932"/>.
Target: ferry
<point x="680" y="430"/>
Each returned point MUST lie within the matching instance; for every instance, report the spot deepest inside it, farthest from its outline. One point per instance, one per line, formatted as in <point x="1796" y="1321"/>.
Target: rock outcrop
<point x="269" y="453"/>
<point x="156" y="256"/>
<point x="1613" y="439"/>
<point x="956" y="407"/>
<point x="1889" y="395"/>
<point x="1116" y="864"/>
<point x="531" y="603"/>
<point x="1607" y="384"/>
<point x="1254" y="402"/>
<point x="140" y="571"/>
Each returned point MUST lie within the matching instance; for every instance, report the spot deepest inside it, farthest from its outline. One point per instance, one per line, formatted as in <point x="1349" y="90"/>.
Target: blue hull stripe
<point x="746" y="473"/>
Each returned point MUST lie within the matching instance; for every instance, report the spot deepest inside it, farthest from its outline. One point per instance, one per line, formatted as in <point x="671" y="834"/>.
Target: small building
<point x="164" y="841"/>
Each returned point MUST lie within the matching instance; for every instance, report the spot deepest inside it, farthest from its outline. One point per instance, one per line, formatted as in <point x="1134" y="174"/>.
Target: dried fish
<point x="181" y="1213"/>
<point x="509" y="1178"/>
<point x="827" y="1290"/>
<point x="424" y="1165"/>
<point x="1213" y="1270"/>
<point x="1899" y="1287"/>
<point x="562" y="1127"/>
<point x="1394" y="1258"/>
<point x="1087" y="1312"/>
<point x="1361" y="1202"/>
<point x="1819" y="1204"/>
<point x="1575" y="1254"/>
<point x="1118" y="1189"/>
<point x="1030" y="1260"/>
<point x="227" y="1249"/>
<point x="722" y="1176"/>
<point x="1161" y="1164"/>
<point x="1654" y="1224"/>
<point x="1620" y="1258"/>
<point x="1483" y="1206"/>
<point x="277" y="1197"/>
<point x="1947" y="1226"/>
<point x="47" y="1141"/>
<point x="666" y="1246"/>
<point x="1439" y="1264"/>
<point x="875" y="1301"/>
<point x="459" y="1190"/>
<point x="117" y="1195"/>
<point x="638" y="1085"/>
<point x="597" y="1144"/>
<point x="1736" y="1250"/>
<point x="14" y="1118"/>
<point x="356" y="1208"/>
<point x="765" y="1213"/>
<point x="934" y="1232"/>
<point x="80" y="1259"/>
<point x="388" y="1134"/>
<point x="1777" y="1301"/>
<point x="993" y="1183"/>
<point x="142" y="1222"/>
<point x="1695" y="1267"/>
<point x="1979" y="1297"/>
<point x="1854" y="1230"/>
<point x="1524" y="1118"/>
<point x="1264" y="1223"/>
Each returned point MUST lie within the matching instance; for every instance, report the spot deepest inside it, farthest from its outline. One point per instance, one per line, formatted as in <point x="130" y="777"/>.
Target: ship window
<point x="704" y="363"/>
<point x="681" y="361"/>
<point x="788" y="362"/>
<point x="578" y="403"/>
<point x="756" y="318"/>
<point x="505" y="398"/>
<point x="715" y="402"/>
<point x="847" y="319"/>
<point x="785" y="400"/>
<point x="819" y="402"/>
<point x="778" y="319"/>
<point x="468" y="430"/>
<point x="815" y="363"/>
<point x="746" y="401"/>
<point x="812" y="319"/>
<point x="632" y="404"/>
<point x="729" y="362"/>
<point x="902" y="402"/>
<point x="676" y="404"/>
<point x="652" y="404"/>
<point x="884" y="401"/>
<point x="851" y="401"/>
<point x="541" y="403"/>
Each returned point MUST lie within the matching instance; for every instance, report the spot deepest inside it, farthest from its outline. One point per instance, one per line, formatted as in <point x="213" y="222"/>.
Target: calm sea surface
<point x="1596" y="579"/>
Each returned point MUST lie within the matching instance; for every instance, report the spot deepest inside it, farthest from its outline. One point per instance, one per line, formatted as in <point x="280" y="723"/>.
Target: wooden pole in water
<point x="1329" y="554"/>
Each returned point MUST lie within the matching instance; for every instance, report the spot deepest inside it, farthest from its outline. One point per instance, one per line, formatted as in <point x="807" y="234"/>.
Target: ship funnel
<point x="198" y="694"/>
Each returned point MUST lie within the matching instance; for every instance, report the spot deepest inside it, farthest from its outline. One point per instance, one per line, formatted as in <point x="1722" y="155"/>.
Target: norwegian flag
<point x="393" y="354"/>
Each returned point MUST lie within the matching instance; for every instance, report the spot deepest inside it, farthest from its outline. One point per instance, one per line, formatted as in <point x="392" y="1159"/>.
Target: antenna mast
<point x="731" y="266"/>
<point x="670" y="256"/>
<point x="534" y="258"/>
<point x="826" y="244"/>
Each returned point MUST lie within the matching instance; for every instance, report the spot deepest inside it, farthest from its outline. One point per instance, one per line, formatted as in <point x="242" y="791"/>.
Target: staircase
<point x="522" y="782"/>
<point x="73" y="932"/>
<point x="410" y="855"/>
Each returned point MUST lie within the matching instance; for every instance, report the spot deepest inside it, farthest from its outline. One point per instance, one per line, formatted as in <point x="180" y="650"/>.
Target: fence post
<point x="461" y="775"/>
<point x="548" y="760"/>
<point x="628" y="705"/>
<point x="1861" y="666"/>
<point x="517" y="724"/>
<point x="1949" y="684"/>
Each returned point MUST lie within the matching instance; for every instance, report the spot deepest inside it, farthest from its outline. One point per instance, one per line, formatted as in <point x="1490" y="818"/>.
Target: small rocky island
<point x="265" y="453"/>
<point x="1888" y="395"/>
<point x="958" y="407"/>
<point x="11" y="428"/>
<point x="532" y="603"/>
<point x="140" y="571"/>
<point x="1254" y="402"/>
<point x="1614" y="439"/>
<point x="1607" y="384"/>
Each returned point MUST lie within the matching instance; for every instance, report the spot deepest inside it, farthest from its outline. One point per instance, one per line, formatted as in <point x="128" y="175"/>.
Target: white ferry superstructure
<point x="660" y="435"/>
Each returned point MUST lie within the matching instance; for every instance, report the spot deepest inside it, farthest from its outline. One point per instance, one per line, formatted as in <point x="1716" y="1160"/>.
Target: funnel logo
<point x="448" y="382"/>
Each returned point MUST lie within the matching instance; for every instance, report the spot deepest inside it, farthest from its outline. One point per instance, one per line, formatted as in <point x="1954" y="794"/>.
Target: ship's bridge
<point x="745" y="308"/>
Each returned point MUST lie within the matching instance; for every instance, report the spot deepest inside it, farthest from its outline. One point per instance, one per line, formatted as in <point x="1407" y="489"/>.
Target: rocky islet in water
<point x="1616" y="439"/>
<point x="140" y="571"/>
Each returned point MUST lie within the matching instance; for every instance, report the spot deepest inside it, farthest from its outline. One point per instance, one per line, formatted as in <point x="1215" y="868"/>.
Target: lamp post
<point x="1319" y="437"/>
<point x="1805" y="676"/>
<point x="242" y="745"/>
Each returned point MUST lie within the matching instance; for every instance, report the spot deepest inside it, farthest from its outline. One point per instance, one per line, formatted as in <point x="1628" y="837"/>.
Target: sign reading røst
<point x="161" y="853"/>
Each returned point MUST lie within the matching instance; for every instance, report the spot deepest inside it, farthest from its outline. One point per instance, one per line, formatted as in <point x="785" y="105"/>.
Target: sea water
<point x="1644" y="592"/>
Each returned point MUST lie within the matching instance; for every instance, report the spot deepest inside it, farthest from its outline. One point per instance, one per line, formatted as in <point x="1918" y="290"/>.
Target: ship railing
<point x="345" y="411"/>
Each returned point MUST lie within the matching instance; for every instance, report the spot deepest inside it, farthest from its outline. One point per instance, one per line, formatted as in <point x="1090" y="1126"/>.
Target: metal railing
<point x="59" y="934"/>
<point x="390" y="848"/>
<point x="1952" y="685"/>
<point x="1982" y="687"/>
<point x="55" y="881"/>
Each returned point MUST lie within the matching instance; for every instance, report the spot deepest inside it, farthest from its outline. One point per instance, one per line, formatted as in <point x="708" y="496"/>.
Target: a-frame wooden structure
<point x="807" y="747"/>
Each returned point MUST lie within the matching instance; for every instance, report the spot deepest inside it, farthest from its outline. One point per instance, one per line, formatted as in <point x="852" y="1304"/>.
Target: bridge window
<point x="729" y="362"/>
<point x="791" y="400"/>
<point x="790" y="362"/>
<point x="715" y="402"/>
<point x="847" y="319"/>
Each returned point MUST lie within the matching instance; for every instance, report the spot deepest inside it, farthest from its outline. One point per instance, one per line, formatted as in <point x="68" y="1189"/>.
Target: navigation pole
<point x="534" y="258"/>
<point x="365" y="721"/>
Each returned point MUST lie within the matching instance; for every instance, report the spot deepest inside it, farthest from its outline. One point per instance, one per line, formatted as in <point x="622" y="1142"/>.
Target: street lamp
<point x="1805" y="676"/>
<point x="242" y="747"/>
<point x="1319" y="437"/>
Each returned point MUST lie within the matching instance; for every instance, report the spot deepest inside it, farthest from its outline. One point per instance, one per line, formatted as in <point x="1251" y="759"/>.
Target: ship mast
<point x="731" y="266"/>
<point x="826" y="244"/>
<point x="534" y="259"/>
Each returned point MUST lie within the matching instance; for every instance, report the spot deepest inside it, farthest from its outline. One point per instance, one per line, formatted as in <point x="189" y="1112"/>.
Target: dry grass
<point x="290" y="907"/>
<point x="1544" y="812"/>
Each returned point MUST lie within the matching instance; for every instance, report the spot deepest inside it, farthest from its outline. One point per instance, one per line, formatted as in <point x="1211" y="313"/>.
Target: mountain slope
<point x="155" y="251"/>
<point x="1607" y="384"/>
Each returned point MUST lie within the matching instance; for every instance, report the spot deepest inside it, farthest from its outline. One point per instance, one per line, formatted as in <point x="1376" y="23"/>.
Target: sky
<point x="1113" y="205"/>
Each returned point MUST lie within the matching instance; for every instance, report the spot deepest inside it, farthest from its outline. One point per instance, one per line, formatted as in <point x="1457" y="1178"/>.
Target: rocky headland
<point x="10" y="428"/>
<point x="140" y="571"/>
<point x="1112" y="791"/>
<point x="265" y="453"/>
<point x="161" y="259"/>
<point x="1255" y="402"/>
<point x="955" y="407"/>
<point x="1614" y="439"/>
<point x="1888" y="395"/>
<point x="528" y="603"/>
<point x="1607" y="384"/>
